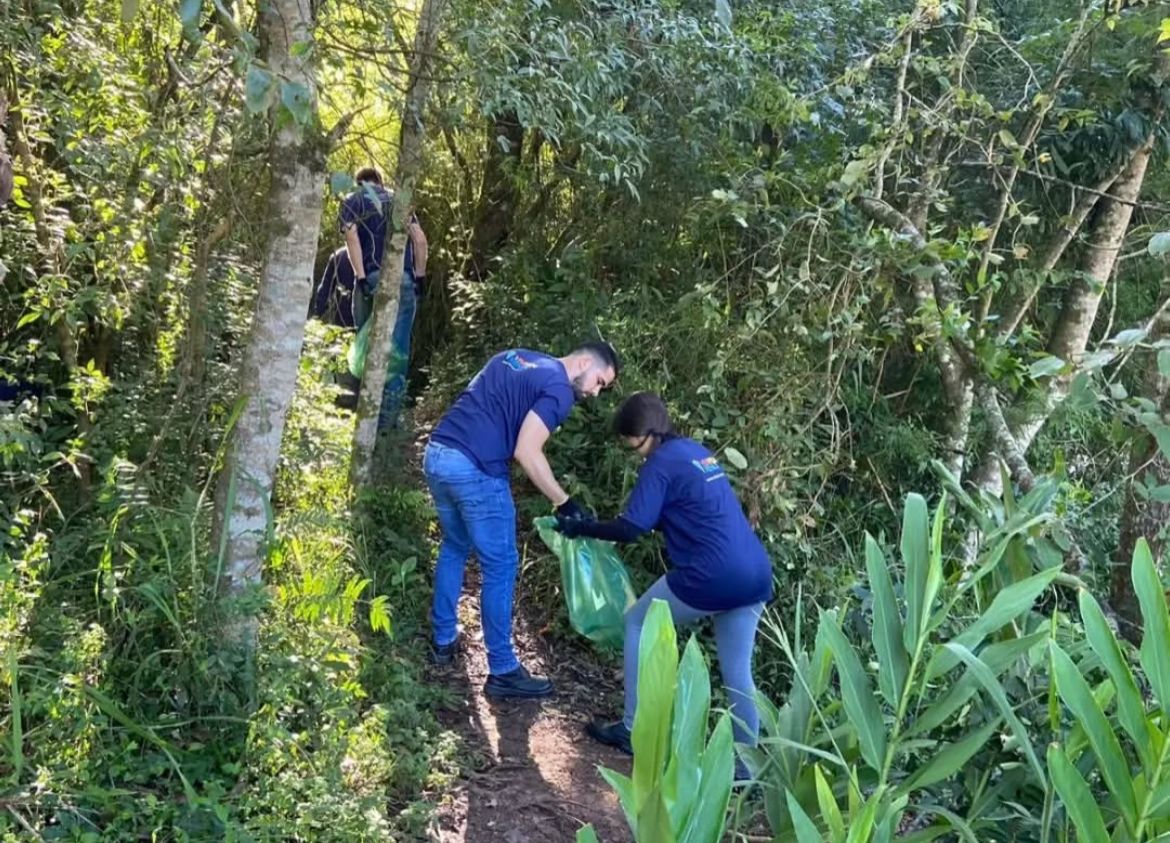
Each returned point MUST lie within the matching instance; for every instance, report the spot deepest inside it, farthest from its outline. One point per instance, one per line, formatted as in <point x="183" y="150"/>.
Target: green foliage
<point x="861" y="762"/>
<point x="682" y="778"/>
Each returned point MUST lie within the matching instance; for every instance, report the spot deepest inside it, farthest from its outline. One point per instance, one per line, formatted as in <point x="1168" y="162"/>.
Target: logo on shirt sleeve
<point x="517" y="362"/>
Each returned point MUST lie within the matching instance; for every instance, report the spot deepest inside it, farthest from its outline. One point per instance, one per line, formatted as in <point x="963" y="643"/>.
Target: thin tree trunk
<point x="6" y="179"/>
<point x="270" y="364"/>
<point x="406" y="175"/>
<point x="498" y="198"/>
<point x="1070" y="335"/>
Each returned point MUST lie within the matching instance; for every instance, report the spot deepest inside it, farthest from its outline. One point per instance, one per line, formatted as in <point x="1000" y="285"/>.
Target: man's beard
<point x="578" y="389"/>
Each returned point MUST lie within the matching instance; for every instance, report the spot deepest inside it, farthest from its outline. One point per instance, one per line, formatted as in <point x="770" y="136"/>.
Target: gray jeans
<point x="735" y="638"/>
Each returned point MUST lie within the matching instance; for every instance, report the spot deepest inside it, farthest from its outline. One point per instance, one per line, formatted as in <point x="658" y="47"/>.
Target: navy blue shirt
<point x="717" y="560"/>
<point x="485" y="419"/>
<point x="368" y="208"/>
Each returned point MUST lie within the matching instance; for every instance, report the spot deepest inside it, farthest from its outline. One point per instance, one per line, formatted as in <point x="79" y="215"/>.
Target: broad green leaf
<point x="983" y="675"/>
<point x="708" y="818"/>
<point x="689" y="727"/>
<point x="1130" y="336"/>
<point x="1046" y="367"/>
<point x="806" y="831"/>
<point x="830" y="812"/>
<point x="298" y="99"/>
<point x="957" y="824"/>
<point x="654" y="820"/>
<point x="887" y="625"/>
<point x="587" y="835"/>
<point x="1130" y="709"/>
<point x="1079" y="801"/>
<point x="623" y="786"/>
<point x="735" y="457"/>
<point x="1077" y="695"/>
<point x="916" y="558"/>
<point x="1159" y="244"/>
<point x="340" y="183"/>
<point x="189" y="13"/>
<point x="1008" y="604"/>
<point x="861" y="706"/>
<point x="259" y="91"/>
<point x="950" y="758"/>
<point x="129" y="10"/>
<point x="861" y="825"/>
<point x="1164" y="362"/>
<point x="657" y="671"/>
<point x="1155" y="650"/>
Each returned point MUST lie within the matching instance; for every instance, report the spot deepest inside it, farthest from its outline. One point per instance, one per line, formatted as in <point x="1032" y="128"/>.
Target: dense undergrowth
<point x="127" y="722"/>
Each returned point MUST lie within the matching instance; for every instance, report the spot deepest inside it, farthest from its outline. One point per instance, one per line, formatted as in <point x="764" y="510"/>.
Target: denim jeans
<point x="398" y="366"/>
<point x="735" y="638"/>
<point x="476" y="512"/>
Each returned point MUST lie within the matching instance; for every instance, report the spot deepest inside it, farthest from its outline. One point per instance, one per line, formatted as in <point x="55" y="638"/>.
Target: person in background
<point x="345" y="292"/>
<point x="719" y="567"/>
<point x="506" y="413"/>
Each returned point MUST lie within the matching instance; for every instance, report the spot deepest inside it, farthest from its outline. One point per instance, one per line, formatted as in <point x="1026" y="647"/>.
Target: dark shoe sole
<point x="497" y="693"/>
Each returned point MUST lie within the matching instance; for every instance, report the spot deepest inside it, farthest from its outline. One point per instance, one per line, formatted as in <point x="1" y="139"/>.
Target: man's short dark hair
<point x="368" y="174"/>
<point x="603" y="353"/>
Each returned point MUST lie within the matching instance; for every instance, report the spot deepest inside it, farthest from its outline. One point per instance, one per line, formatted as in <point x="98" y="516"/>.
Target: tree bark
<point x="406" y="175"/>
<point x="498" y="197"/>
<point x="1141" y="516"/>
<point x="6" y="176"/>
<point x="1070" y="334"/>
<point x="270" y="364"/>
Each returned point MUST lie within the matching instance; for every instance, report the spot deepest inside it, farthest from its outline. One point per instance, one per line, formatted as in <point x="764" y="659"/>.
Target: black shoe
<point x="613" y="734"/>
<point x="518" y="684"/>
<point x="743" y="775"/>
<point x="444" y="654"/>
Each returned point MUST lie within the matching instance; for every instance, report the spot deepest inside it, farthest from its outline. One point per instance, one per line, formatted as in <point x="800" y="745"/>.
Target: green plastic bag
<point x="596" y="585"/>
<point x="358" y="349"/>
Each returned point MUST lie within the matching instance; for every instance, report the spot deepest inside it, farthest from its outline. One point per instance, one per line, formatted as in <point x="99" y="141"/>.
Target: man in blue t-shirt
<point x="506" y="413"/>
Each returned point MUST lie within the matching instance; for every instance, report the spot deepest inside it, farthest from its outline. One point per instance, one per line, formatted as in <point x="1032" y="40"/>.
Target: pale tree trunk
<point x="6" y="180"/>
<point x="270" y="364"/>
<point x="385" y="309"/>
<point x="1070" y="335"/>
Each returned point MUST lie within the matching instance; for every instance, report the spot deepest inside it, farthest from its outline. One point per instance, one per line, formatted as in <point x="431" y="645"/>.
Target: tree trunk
<point x="6" y="180"/>
<point x="385" y="309"/>
<point x="270" y="364"/>
<point x="498" y="196"/>
<point x="1070" y="335"/>
<point x="1142" y="517"/>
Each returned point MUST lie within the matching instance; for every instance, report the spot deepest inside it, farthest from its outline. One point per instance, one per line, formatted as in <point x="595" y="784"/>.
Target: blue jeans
<point x="398" y="366"/>
<point x="735" y="638"/>
<point x="476" y="512"/>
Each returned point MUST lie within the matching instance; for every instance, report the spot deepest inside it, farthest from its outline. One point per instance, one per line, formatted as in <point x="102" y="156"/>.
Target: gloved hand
<point x="370" y="283"/>
<point x="571" y="528"/>
<point x="570" y="510"/>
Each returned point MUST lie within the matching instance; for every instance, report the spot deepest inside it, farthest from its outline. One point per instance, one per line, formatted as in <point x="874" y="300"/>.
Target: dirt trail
<point x="538" y="778"/>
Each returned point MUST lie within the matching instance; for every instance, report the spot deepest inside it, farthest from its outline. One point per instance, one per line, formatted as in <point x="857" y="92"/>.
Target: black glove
<point x="369" y="284"/>
<point x="419" y="285"/>
<point x="570" y="510"/>
<point x="571" y="528"/>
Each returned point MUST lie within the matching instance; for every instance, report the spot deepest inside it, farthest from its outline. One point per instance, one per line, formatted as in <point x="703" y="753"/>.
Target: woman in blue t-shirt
<point x="719" y="568"/>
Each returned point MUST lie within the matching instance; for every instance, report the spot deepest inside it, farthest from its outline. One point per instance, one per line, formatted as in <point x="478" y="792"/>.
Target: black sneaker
<point x="613" y="734"/>
<point x="444" y="654"/>
<point x="518" y="684"/>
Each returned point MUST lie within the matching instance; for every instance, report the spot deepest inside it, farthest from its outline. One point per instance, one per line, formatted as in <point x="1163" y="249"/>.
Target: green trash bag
<point x="596" y="585"/>
<point x="358" y="349"/>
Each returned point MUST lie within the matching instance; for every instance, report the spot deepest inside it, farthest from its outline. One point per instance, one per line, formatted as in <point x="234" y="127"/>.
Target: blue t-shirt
<point x="485" y="419"/>
<point x="717" y="560"/>
<point x="368" y="208"/>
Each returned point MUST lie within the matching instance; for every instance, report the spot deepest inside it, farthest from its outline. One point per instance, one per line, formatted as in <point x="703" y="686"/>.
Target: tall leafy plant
<point x="846" y="763"/>
<point x="1117" y="737"/>
<point x="682" y="778"/>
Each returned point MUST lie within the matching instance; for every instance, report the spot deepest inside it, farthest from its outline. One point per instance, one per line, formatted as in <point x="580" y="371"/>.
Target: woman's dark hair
<point x="643" y="414"/>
